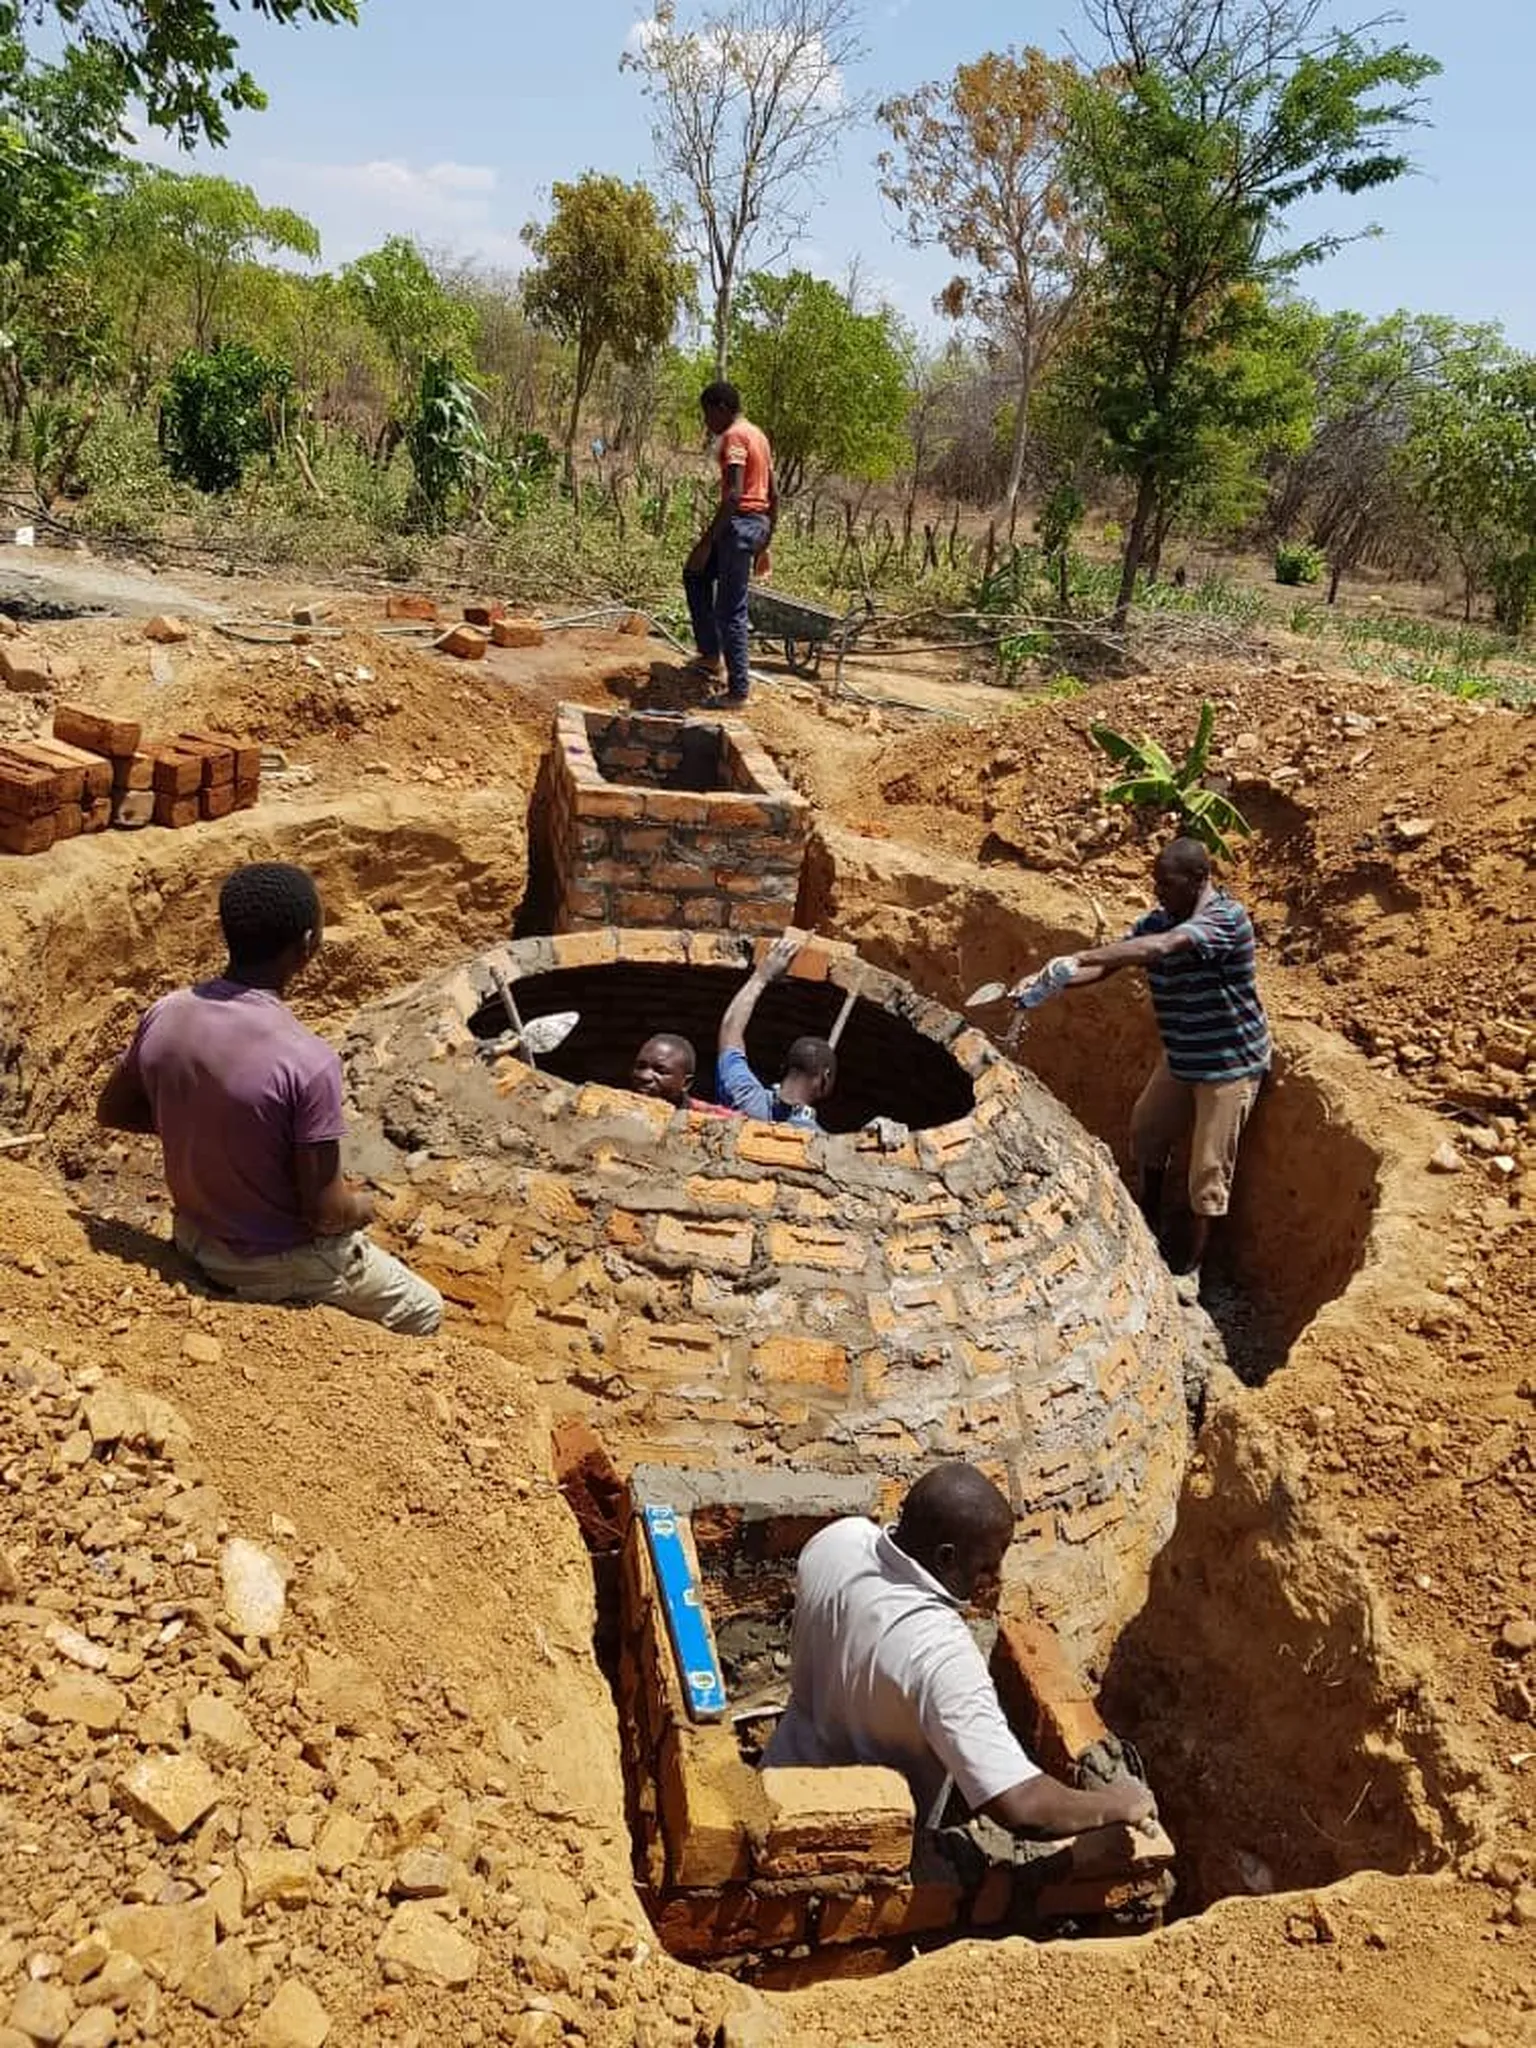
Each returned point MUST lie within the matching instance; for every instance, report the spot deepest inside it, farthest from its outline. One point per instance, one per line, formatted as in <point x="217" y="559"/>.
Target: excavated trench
<point x="1287" y="1741"/>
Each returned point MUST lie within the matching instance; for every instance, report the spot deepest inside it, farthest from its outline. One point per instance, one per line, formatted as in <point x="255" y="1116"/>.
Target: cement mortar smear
<point x="726" y="1293"/>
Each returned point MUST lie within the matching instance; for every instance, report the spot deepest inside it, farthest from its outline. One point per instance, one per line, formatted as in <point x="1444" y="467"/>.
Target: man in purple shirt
<point x="247" y="1107"/>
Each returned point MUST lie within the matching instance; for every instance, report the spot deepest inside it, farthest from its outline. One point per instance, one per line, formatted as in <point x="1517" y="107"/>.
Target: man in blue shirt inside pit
<point x="810" y="1066"/>
<point x="1197" y="950"/>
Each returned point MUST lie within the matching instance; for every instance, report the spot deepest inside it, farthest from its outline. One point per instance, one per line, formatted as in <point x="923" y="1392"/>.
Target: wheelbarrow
<point x="804" y="630"/>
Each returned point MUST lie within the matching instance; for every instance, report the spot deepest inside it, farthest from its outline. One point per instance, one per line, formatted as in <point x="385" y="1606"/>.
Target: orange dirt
<point x="1325" y="1672"/>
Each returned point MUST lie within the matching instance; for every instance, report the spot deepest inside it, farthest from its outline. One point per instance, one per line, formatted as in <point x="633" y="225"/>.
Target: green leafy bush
<point x="1151" y="780"/>
<point x="221" y="407"/>
<point x="1298" y="562"/>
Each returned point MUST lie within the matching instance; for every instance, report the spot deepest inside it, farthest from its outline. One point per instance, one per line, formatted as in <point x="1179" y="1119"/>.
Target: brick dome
<point x="722" y="1293"/>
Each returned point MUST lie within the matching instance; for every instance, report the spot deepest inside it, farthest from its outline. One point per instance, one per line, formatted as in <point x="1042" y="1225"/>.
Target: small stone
<point x="168" y="1941"/>
<point x="255" y="1588"/>
<point x="222" y="1983"/>
<point x="227" y="1897"/>
<point x="165" y="630"/>
<point x="85" y="1958"/>
<point x="169" y="1794"/>
<point x="116" y="1984"/>
<point x="77" y="1648"/>
<point x="294" y="2019"/>
<point x="422" y="1874"/>
<point x="201" y="1348"/>
<point x="1522" y="1907"/>
<point x="223" y="1727"/>
<point x="1446" y="1159"/>
<point x="345" y="1692"/>
<point x="422" y="1944"/>
<point x="10" y="1578"/>
<point x="284" y="1877"/>
<point x="95" y="2028"/>
<point x="1518" y="1635"/>
<point x="1474" y="2037"/>
<point x="87" y="1702"/>
<point x="41" y="2012"/>
<point x="1412" y="831"/>
<point x="342" y="1842"/>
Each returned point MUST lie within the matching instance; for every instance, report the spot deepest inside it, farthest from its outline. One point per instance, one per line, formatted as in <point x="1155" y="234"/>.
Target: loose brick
<point x="464" y="643"/>
<point x="218" y="803"/>
<point x="27" y="790"/>
<point x="721" y="1246"/>
<point x="247" y="795"/>
<point x="705" y="1794"/>
<point x="827" y="1821"/>
<point x="95" y="769"/>
<point x="26" y="667"/>
<point x="520" y="632"/>
<point x="410" y="604"/>
<point x="175" y="812"/>
<point x="68" y="776"/>
<point x="25" y="835"/>
<point x="247" y="754"/>
<point x="96" y="816"/>
<point x="177" y="774"/>
<point x="827" y="1251"/>
<point x="166" y="630"/>
<point x="68" y="822"/>
<point x="1048" y="1705"/>
<point x="132" y="809"/>
<point x="96" y="731"/>
<point x="485" y="613"/>
<point x="805" y="1361"/>
<point x="133" y="771"/>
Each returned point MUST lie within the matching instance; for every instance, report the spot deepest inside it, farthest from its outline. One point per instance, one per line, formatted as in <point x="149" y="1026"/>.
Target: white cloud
<point x="812" y="74"/>
<point x="356" y="205"/>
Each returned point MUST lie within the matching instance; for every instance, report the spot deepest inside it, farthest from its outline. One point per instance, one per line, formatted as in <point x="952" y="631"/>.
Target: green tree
<point x="830" y="386"/>
<point x="176" y="57"/>
<point x="222" y="406"/>
<point x="606" y="278"/>
<point x="977" y="167"/>
<point x="1191" y="146"/>
<point x="60" y="130"/>
<point x="1470" y="458"/>
<point x="164" y="230"/>
<point x="414" y="318"/>
<point x="749" y="108"/>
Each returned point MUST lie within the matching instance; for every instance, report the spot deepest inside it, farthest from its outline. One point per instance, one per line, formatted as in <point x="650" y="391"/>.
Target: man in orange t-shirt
<point x="718" y="572"/>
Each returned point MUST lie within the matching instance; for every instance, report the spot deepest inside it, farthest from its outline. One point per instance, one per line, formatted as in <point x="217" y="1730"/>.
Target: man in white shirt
<point x="885" y="1671"/>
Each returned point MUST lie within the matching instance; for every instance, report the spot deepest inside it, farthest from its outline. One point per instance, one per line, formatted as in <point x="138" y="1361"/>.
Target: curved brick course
<point x="726" y="1293"/>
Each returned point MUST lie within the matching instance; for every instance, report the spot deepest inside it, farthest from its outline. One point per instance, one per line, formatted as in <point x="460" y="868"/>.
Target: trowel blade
<point x="543" y="1034"/>
<point x="989" y="992"/>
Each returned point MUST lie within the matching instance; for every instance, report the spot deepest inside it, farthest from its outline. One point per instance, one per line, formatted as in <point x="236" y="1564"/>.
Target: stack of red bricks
<point x="93" y="772"/>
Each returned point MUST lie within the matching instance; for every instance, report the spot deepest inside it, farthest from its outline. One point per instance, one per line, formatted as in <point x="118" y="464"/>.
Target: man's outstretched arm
<point x="733" y="1025"/>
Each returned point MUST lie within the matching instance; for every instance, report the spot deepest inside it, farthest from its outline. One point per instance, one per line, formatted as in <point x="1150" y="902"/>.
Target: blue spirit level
<point x="687" y="1623"/>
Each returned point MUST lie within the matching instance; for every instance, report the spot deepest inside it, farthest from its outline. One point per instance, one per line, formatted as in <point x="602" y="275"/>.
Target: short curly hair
<point x="266" y="908"/>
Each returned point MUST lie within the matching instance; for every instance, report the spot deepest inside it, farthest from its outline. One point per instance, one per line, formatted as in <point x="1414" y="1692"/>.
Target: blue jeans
<point x="717" y="596"/>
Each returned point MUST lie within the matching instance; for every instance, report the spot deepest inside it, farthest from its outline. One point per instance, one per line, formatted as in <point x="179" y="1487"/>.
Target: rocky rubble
<point x="214" y="1820"/>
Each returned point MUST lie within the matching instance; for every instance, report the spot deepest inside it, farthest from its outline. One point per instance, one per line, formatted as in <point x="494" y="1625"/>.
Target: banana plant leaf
<point x="1199" y="748"/>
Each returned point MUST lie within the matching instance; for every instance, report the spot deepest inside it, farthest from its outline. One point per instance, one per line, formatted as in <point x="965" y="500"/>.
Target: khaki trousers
<point x="347" y="1272"/>
<point x="1213" y="1112"/>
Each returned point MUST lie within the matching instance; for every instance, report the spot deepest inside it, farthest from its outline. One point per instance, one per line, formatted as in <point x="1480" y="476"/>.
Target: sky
<point x="449" y="121"/>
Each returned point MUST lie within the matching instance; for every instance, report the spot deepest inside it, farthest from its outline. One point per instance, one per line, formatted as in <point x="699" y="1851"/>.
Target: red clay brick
<point x="705" y="1793"/>
<point x="25" y="835"/>
<point x="247" y="754"/>
<point x="1044" y="1699"/>
<point x="700" y="1241"/>
<point x="97" y="731"/>
<point x="703" y="913"/>
<point x="95" y="769"/>
<point x="177" y="774"/>
<point x="805" y="1361"/>
<point x="69" y="776"/>
<point x="827" y="1251"/>
<point x="642" y="906"/>
<point x="485" y="613"/>
<point x="521" y="632"/>
<point x="674" y="806"/>
<point x="410" y="604"/>
<point x="27" y="790"/>
<point x="693" y="1924"/>
<point x="66" y="822"/>
<point x="831" y="1821"/>
<point x="176" y="811"/>
<point x="465" y="643"/>
<point x="890" y="1912"/>
<point x="133" y="771"/>
<point x="772" y="1144"/>
<point x="219" y="802"/>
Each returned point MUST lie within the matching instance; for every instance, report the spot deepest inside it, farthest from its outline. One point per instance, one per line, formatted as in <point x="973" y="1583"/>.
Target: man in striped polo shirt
<point x="1197" y="949"/>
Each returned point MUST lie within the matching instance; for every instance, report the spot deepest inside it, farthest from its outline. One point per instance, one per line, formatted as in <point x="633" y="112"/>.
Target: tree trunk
<point x="1020" y="444"/>
<point x="1335" y="578"/>
<point x="1135" y="544"/>
<point x="724" y="299"/>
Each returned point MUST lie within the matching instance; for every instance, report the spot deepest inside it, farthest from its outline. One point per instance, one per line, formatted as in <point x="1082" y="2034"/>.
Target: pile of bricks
<point x="732" y="1860"/>
<point x="92" y="772"/>
<point x="654" y="821"/>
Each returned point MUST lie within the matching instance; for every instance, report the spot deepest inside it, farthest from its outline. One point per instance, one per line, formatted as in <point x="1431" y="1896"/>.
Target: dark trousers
<point x="717" y="596"/>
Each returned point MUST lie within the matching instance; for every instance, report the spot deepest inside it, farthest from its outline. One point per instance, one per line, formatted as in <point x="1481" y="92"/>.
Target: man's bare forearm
<point x="733" y="1025"/>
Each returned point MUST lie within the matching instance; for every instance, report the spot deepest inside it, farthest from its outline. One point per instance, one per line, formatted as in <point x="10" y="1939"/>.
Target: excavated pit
<point x="1287" y="1744"/>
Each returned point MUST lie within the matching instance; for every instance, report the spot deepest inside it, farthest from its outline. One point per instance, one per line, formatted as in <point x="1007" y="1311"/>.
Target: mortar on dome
<point x="718" y="1292"/>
